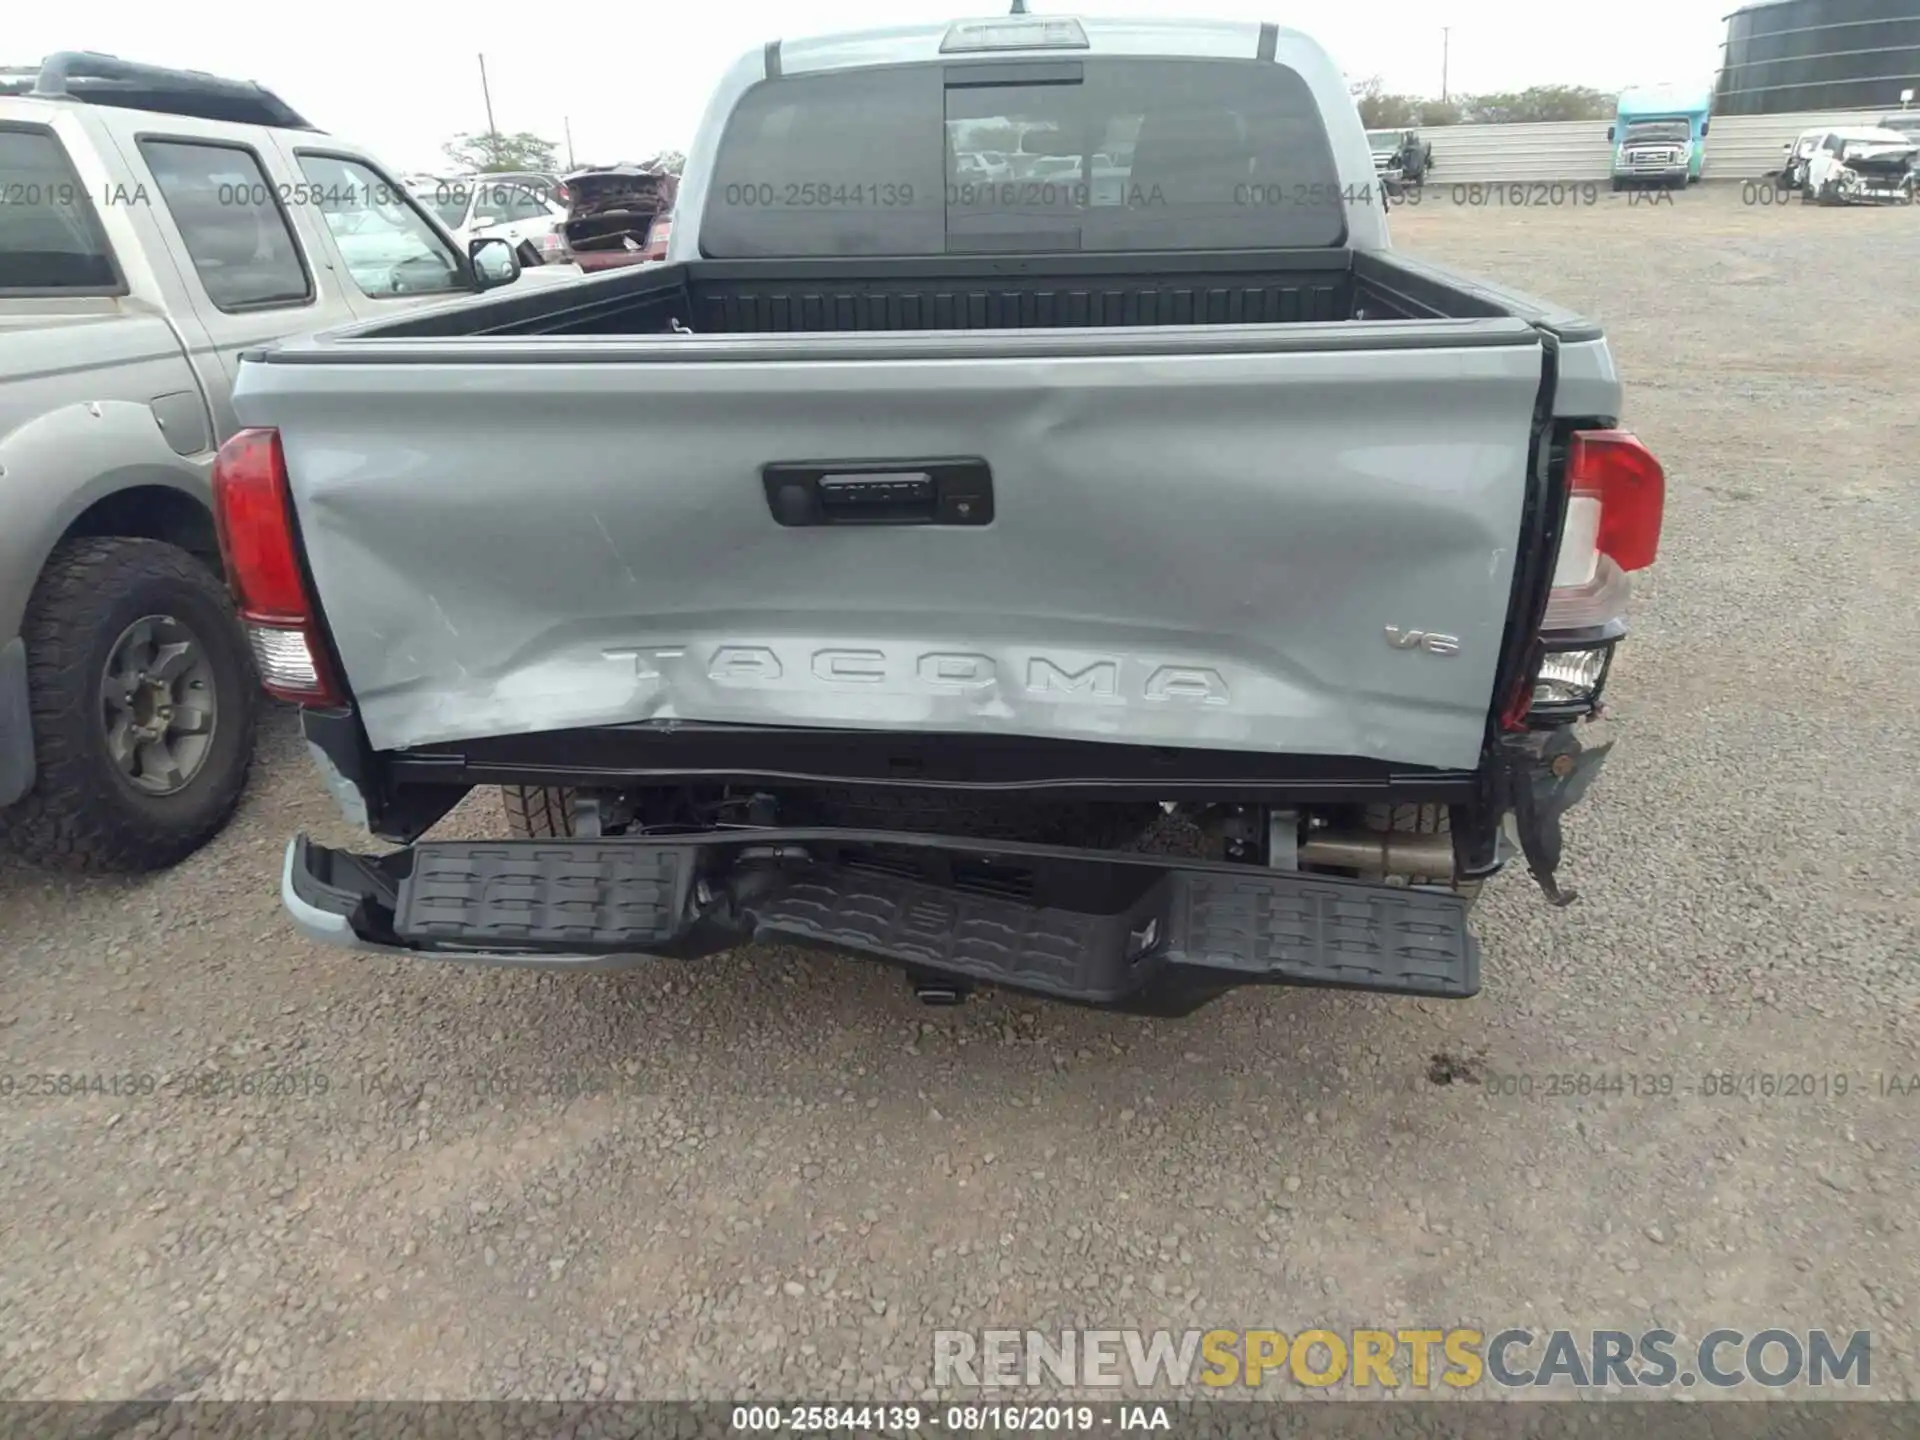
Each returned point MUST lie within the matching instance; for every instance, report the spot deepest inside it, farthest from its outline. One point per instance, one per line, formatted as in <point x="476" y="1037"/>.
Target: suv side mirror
<point x="493" y="261"/>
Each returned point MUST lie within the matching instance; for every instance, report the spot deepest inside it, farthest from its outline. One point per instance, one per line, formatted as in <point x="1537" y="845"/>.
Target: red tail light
<point x="1621" y="473"/>
<point x="254" y="515"/>
<point x="1616" y="498"/>
<point x="657" y="233"/>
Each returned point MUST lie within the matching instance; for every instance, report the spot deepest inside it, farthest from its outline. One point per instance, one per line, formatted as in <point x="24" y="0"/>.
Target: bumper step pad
<point x="1165" y="927"/>
<point x="1309" y="931"/>
<point x="568" y="895"/>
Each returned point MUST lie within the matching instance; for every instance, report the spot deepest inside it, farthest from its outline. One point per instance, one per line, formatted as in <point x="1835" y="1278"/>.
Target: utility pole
<point x="1446" y="37"/>
<point x="566" y="124"/>
<point x="487" y="95"/>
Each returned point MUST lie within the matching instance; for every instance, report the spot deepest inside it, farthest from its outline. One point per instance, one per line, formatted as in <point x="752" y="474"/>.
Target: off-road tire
<point x="536" y="812"/>
<point x="81" y="814"/>
<point x="1421" y="820"/>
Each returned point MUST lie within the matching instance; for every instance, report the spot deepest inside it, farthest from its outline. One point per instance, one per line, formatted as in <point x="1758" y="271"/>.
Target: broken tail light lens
<point x="1613" y="468"/>
<point x="1615" y="503"/>
<point x="1616" y="500"/>
<point x="253" y="513"/>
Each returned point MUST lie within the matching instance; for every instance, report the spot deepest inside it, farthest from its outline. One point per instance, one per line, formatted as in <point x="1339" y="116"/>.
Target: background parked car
<point x="1903" y="122"/>
<point x="619" y="216"/>
<point x="1793" y="170"/>
<point x="1400" y="156"/>
<point x="477" y="206"/>
<point x="1861" y="166"/>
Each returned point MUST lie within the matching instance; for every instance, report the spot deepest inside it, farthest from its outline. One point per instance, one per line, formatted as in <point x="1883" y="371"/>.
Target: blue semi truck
<point x="1659" y="136"/>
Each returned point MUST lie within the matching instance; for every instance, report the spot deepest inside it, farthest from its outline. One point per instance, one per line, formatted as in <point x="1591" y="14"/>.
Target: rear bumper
<point x="1150" y="934"/>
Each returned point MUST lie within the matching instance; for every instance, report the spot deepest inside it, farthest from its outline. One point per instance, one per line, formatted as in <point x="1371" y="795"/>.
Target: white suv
<point x="477" y="206"/>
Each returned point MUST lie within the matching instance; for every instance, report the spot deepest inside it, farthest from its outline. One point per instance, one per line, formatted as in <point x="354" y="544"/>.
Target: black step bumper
<point x="1147" y="933"/>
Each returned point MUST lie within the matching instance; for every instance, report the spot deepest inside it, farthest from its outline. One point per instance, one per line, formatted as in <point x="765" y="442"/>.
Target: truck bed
<point x="786" y="297"/>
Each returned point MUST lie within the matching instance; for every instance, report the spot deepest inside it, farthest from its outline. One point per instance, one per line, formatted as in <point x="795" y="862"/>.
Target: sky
<point x="632" y="79"/>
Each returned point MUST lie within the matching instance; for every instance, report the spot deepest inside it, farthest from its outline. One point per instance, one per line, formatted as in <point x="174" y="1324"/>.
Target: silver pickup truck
<point x="1118" y="591"/>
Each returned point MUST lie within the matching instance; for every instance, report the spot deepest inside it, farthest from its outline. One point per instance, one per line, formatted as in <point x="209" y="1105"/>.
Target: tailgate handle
<point x="904" y="497"/>
<point x="880" y="492"/>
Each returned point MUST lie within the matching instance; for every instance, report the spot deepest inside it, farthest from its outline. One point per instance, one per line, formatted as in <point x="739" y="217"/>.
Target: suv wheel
<point x="143" y="701"/>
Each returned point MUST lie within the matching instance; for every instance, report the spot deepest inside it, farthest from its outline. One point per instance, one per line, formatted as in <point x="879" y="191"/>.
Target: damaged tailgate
<point x="1288" y="539"/>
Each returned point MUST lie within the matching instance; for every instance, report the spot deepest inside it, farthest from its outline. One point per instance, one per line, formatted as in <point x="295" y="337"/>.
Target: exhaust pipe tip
<point x="1380" y="852"/>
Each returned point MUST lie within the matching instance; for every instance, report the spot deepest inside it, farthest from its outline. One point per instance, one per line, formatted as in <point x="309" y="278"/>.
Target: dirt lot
<point x="776" y="1173"/>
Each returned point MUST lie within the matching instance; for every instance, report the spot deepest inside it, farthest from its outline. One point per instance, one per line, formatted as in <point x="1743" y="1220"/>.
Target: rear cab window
<point x="51" y="239"/>
<point x="1094" y="154"/>
<point x="232" y="223"/>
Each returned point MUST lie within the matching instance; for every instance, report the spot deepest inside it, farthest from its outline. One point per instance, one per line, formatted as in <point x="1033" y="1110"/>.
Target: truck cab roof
<point x="992" y="37"/>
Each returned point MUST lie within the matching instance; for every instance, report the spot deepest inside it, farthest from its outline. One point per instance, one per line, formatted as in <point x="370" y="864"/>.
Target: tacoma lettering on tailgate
<point x="935" y="671"/>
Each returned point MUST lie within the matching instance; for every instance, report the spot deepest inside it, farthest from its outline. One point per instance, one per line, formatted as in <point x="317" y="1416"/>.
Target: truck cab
<point x="1659" y="137"/>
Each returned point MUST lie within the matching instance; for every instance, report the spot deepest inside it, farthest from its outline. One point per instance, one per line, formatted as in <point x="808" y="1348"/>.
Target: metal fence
<point x="1739" y="147"/>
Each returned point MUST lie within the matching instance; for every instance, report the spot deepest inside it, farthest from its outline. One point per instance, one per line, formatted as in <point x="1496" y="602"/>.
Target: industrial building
<point x="1798" y="55"/>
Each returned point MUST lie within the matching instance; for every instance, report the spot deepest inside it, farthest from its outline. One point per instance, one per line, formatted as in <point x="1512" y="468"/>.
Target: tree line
<point x="1382" y="110"/>
<point x="503" y="152"/>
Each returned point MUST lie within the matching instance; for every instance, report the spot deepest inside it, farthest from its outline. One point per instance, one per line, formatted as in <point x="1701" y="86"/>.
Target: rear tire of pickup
<point x="537" y="813"/>
<point x="132" y="650"/>
<point x="1421" y="820"/>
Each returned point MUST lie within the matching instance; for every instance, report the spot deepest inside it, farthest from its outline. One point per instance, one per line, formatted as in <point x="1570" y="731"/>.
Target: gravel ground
<point x="775" y="1174"/>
